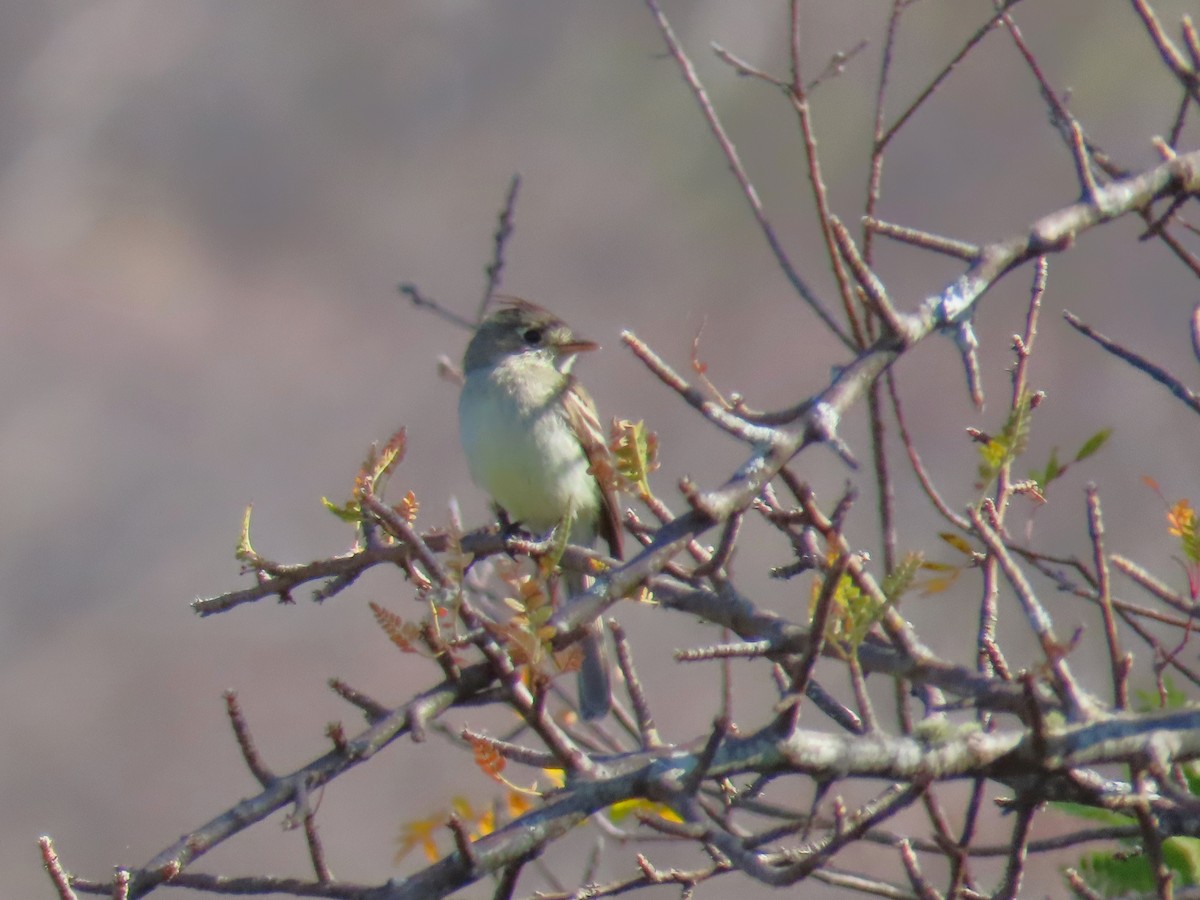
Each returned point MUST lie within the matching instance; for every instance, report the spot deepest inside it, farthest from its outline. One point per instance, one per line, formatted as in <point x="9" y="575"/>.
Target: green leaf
<point x="1093" y="814"/>
<point x="1191" y="774"/>
<point x="1150" y="700"/>
<point x="900" y="579"/>
<point x="245" y="552"/>
<point x="1094" y="443"/>
<point x="958" y="542"/>
<point x="1052" y="471"/>
<point x="1182" y="856"/>
<point x="1112" y="875"/>
<point x="1115" y="874"/>
<point x="347" y="512"/>
<point x="635" y="453"/>
<point x="1012" y="441"/>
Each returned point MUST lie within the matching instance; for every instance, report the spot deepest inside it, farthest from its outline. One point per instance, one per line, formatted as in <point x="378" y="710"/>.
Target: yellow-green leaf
<point x="245" y="552"/>
<point x="958" y="542"/>
<point x="1094" y="443"/>
<point x="900" y="579"/>
<point x="347" y="512"/>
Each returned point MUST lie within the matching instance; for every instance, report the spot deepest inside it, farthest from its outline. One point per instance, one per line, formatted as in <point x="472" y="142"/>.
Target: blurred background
<point x="205" y="208"/>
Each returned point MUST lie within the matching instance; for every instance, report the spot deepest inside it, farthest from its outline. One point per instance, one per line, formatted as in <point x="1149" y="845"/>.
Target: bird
<point x="533" y="442"/>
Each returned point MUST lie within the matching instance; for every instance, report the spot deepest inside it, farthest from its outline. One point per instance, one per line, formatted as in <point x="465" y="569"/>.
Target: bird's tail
<point x="595" y="681"/>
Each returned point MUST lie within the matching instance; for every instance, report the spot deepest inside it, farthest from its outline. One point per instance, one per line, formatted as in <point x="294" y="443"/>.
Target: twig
<point x="745" y="69"/>
<point x="419" y="300"/>
<point x="870" y="283"/>
<point x="798" y="97"/>
<point x="878" y="150"/>
<point x="1023" y="345"/>
<point x="1115" y="657"/>
<point x="647" y="730"/>
<point x="1151" y="584"/>
<point x="739" y="172"/>
<point x="819" y="623"/>
<point x="170" y="862"/>
<point x="524" y="755"/>
<point x="1080" y="887"/>
<point x="1019" y="844"/>
<point x="402" y="529"/>
<point x="506" y="884"/>
<point x="62" y="881"/>
<point x="1039" y="621"/>
<point x="462" y="841"/>
<point x="989" y="657"/>
<point x="241" y="731"/>
<point x="1159" y="374"/>
<point x="941" y="76"/>
<point x="710" y="409"/>
<point x="316" y="851"/>
<point x="918" y="466"/>
<point x="372" y="709"/>
<point x="912" y="867"/>
<point x="923" y="239"/>
<point x="724" y="551"/>
<point x="1167" y="50"/>
<point x="504" y="230"/>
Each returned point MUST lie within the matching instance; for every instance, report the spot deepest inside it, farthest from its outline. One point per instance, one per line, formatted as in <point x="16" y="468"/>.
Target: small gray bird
<point x="533" y="440"/>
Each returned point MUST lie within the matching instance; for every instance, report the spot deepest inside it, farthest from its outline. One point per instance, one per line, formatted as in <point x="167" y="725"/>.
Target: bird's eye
<point x="532" y="336"/>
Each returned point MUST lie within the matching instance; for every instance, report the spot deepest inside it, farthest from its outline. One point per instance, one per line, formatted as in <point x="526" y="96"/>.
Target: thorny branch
<point x="1035" y="734"/>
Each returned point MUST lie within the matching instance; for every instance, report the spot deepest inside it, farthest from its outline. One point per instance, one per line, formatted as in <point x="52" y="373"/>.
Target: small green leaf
<point x="1052" y="471"/>
<point x="958" y="542"/>
<point x="1191" y="775"/>
<point x="1093" y="814"/>
<point x="1094" y="443"/>
<point x="635" y="452"/>
<point x="1012" y="441"/>
<point x="900" y="579"/>
<point x="1182" y="855"/>
<point x="347" y="512"/>
<point x="245" y="552"/>
<point x="1114" y="875"/>
<point x="1150" y="700"/>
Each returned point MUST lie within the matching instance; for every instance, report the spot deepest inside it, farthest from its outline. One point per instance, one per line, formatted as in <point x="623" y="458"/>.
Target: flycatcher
<point x="532" y="441"/>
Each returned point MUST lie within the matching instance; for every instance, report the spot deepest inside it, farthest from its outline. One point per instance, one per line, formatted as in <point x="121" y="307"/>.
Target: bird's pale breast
<point x="521" y="449"/>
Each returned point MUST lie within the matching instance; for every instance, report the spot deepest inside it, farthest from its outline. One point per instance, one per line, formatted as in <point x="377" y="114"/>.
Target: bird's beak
<point x="575" y="347"/>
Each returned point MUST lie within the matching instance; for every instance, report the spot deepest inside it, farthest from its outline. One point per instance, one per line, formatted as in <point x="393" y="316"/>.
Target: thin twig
<point x="241" y="731"/>
<point x="941" y="76"/>
<point x="1115" y="657"/>
<point x="925" y="240"/>
<point x="1038" y="619"/>
<point x="710" y="409"/>
<point x="647" y="730"/>
<point x="875" y="179"/>
<point x="1167" y="50"/>
<point x="1158" y="373"/>
<point x="316" y="850"/>
<point x="372" y="709"/>
<point x="1151" y="584"/>
<point x="914" y="458"/>
<point x="872" y="286"/>
<point x="419" y="300"/>
<point x="1011" y="886"/>
<point x="807" y="294"/>
<point x="799" y="99"/>
<point x="504" y="230"/>
<point x="819" y="624"/>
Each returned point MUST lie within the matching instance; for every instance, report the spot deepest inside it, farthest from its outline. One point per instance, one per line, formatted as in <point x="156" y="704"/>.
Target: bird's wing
<point x="581" y="412"/>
